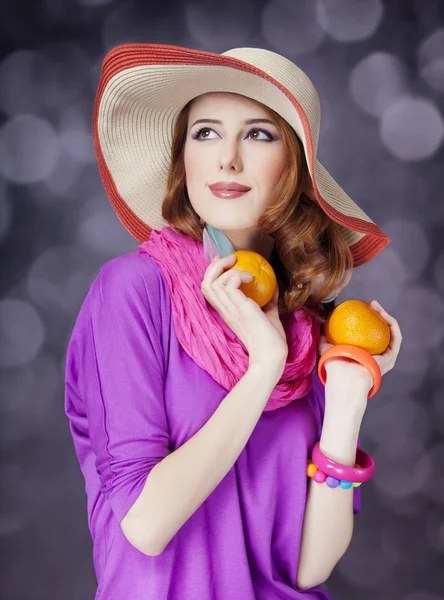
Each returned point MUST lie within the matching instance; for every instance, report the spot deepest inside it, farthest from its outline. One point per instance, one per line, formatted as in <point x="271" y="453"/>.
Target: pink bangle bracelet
<point x="343" y="472"/>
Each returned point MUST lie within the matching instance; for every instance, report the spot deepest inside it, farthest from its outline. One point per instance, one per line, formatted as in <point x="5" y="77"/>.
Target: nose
<point x="229" y="157"/>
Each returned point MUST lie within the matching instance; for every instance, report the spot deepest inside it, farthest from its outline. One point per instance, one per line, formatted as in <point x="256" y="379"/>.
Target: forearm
<point x="328" y="521"/>
<point x="182" y="481"/>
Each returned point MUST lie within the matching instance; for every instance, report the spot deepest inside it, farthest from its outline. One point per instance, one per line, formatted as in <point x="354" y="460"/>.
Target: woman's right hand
<point x="259" y="329"/>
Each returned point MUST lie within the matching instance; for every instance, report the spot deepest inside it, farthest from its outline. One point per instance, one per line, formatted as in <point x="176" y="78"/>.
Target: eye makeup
<point x="270" y="136"/>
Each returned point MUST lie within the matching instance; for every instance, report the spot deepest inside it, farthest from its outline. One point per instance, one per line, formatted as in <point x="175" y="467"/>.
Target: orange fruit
<point x="355" y="322"/>
<point x="261" y="287"/>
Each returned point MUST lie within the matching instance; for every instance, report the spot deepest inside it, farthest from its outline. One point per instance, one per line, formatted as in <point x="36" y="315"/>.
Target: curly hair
<point x="308" y="242"/>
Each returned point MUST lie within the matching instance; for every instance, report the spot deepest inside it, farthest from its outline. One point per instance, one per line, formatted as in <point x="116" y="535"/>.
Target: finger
<point x="227" y="276"/>
<point x="218" y="265"/>
<point x="232" y="277"/>
<point x="273" y="302"/>
<point x="395" y="331"/>
<point x="214" y="270"/>
<point x="226" y="288"/>
<point x="244" y="305"/>
<point x="216" y="293"/>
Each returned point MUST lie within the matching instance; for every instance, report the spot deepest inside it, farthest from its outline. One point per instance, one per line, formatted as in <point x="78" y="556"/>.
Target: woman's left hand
<point x="386" y="361"/>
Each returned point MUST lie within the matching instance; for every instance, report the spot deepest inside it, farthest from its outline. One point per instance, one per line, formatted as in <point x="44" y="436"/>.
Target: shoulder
<point x="128" y="294"/>
<point x="128" y="274"/>
<point x="128" y="285"/>
<point x="132" y="268"/>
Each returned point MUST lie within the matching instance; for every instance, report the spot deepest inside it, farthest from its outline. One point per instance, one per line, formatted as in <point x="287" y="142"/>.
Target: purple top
<point x="132" y="396"/>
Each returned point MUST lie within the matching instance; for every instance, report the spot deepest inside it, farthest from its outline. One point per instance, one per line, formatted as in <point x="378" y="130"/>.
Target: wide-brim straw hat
<point x="143" y="88"/>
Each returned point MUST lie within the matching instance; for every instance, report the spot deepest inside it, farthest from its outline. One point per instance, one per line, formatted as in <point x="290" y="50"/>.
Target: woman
<point x="193" y="411"/>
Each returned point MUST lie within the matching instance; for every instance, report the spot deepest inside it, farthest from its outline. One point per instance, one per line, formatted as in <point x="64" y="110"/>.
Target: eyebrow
<point x="247" y="122"/>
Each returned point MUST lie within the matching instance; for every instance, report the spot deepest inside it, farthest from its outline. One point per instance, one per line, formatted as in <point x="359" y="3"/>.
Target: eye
<point x="197" y="136"/>
<point x="257" y="131"/>
<point x="203" y="134"/>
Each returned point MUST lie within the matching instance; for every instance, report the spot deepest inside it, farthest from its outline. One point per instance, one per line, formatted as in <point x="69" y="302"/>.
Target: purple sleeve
<point x="318" y="404"/>
<point x="116" y="356"/>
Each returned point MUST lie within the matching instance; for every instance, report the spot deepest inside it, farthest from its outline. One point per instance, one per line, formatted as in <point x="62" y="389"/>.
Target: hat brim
<point x="143" y="88"/>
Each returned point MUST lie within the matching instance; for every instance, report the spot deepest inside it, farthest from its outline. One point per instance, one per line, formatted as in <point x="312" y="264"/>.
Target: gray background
<point x="379" y="70"/>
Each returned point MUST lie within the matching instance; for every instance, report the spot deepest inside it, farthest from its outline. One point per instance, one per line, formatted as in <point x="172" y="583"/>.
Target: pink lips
<point x="225" y="189"/>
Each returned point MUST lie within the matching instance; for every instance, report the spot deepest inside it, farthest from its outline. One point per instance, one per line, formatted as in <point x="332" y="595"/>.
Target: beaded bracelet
<point x="321" y="477"/>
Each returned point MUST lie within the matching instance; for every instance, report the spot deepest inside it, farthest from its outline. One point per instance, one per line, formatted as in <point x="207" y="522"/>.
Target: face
<point x="224" y="147"/>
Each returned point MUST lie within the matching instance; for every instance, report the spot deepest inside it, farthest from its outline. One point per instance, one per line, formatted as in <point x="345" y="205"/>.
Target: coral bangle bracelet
<point x="352" y="353"/>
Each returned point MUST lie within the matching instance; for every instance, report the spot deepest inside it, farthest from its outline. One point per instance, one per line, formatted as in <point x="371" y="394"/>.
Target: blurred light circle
<point x="431" y="60"/>
<point x="77" y="149"/>
<point x="433" y="74"/>
<point x="76" y="143"/>
<point x="215" y="23"/>
<point x="79" y="145"/>
<point x="22" y="333"/>
<point x="29" y="149"/>
<point x="65" y="73"/>
<point x="103" y="232"/>
<point x="77" y="116"/>
<point x="349" y="20"/>
<point x="410" y="240"/>
<point x="291" y="28"/>
<point x="63" y="180"/>
<point x="412" y="129"/>
<point x="74" y="182"/>
<point x="377" y="81"/>
<point x="31" y="82"/>
<point x="432" y="48"/>
<point x="49" y="275"/>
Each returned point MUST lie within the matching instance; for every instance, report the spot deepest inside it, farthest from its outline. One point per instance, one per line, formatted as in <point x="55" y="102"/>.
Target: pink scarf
<point x="204" y="335"/>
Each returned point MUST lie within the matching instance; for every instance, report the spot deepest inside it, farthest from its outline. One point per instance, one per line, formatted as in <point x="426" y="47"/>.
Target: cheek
<point x="194" y="164"/>
<point x="270" y="169"/>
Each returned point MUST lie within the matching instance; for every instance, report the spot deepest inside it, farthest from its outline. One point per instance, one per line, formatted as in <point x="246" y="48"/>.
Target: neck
<point x="255" y="241"/>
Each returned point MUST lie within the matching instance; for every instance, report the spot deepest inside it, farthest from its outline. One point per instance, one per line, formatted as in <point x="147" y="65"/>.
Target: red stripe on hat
<point x="126" y="56"/>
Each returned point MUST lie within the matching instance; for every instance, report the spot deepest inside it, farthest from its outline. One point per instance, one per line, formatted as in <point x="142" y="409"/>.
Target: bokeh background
<point x="379" y="70"/>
